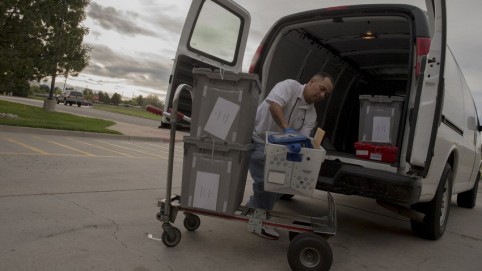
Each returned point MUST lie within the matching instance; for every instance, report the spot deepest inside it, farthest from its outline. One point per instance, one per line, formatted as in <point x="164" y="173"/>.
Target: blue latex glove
<point x="289" y="130"/>
<point x="294" y="148"/>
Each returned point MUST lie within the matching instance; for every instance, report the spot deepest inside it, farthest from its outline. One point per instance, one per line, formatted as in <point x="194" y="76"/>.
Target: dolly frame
<point x="308" y="235"/>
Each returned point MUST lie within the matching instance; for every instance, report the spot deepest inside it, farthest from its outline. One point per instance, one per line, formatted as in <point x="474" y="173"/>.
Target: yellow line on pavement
<point x="165" y="146"/>
<point x="123" y="147"/>
<point x="27" y="146"/>
<point x="17" y="153"/>
<point x="64" y="146"/>
<point x="160" y="151"/>
<point x="95" y="146"/>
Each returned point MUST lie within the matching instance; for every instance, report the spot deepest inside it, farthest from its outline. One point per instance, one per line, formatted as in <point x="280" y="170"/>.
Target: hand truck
<point x="308" y="249"/>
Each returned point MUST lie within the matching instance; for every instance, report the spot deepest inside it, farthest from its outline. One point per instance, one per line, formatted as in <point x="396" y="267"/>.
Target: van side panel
<point x="471" y="135"/>
<point x="456" y="136"/>
<point x="454" y="116"/>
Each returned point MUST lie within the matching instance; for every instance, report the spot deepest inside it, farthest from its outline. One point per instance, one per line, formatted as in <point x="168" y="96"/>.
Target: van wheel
<point x="467" y="199"/>
<point x="79" y="104"/>
<point x="436" y="211"/>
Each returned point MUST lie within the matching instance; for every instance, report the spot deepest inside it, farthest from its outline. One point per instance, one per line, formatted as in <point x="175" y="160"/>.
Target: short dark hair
<point x="323" y="75"/>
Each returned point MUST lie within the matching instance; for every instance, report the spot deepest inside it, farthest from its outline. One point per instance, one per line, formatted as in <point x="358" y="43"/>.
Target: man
<point x="289" y="107"/>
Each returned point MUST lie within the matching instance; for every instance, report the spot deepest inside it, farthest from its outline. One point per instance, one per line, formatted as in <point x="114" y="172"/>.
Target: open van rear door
<point x="429" y="99"/>
<point x="214" y="36"/>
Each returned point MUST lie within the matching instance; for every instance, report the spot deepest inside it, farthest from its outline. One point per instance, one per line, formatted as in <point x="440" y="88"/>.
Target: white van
<point x="395" y="55"/>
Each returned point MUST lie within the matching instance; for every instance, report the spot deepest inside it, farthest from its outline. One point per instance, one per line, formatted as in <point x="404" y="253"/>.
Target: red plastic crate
<point x="383" y="153"/>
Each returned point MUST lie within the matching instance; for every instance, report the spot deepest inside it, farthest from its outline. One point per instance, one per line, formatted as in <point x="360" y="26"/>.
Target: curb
<point x="42" y="131"/>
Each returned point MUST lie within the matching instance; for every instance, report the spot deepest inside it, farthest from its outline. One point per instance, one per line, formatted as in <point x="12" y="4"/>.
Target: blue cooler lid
<point x="293" y="141"/>
<point x="290" y="138"/>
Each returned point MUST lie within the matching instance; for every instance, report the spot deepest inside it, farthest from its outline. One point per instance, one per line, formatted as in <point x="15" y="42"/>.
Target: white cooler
<point x="289" y="177"/>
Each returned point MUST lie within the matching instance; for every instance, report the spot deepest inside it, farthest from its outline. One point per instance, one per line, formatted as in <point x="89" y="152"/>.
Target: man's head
<point x="318" y="88"/>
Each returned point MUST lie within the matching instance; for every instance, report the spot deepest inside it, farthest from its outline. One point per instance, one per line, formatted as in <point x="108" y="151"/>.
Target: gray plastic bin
<point x="379" y="118"/>
<point x="214" y="175"/>
<point x="224" y="105"/>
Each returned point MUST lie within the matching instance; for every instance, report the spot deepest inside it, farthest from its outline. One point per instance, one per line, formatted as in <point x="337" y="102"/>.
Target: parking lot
<point x="82" y="203"/>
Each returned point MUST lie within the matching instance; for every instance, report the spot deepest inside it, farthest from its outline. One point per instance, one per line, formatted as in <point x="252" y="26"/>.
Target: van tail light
<point x="423" y="47"/>
<point x="254" y="62"/>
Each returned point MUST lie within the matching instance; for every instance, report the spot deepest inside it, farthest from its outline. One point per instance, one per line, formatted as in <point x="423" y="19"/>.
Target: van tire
<point x="467" y="199"/>
<point x="436" y="211"/>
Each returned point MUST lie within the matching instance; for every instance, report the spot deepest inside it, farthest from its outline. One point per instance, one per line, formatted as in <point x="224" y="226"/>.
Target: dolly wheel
<point x="309" y="251"/>
<point x="191" y="222"/>
<point x="171" y="239"/>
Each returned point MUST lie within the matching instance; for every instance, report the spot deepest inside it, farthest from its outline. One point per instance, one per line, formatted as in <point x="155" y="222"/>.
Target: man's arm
<point x="277" y="113"/>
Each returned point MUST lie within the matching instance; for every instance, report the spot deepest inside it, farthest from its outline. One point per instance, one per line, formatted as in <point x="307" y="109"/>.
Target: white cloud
<point x="147" y="31"/>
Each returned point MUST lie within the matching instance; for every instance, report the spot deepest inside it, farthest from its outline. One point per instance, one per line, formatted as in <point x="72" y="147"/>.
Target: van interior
<point x="367" y="52"/>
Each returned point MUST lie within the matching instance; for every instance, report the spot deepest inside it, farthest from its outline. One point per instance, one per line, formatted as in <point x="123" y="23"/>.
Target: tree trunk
<point x="52" y="87"/>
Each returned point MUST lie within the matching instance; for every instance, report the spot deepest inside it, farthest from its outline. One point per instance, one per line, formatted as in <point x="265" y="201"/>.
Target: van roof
<point x="376" y="38"/>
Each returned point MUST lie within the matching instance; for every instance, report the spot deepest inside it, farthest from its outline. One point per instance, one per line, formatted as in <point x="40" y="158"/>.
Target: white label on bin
<point x="362" y="152"/>
<point x="206" y="190"/>
<point x="228" y="169"/>
<point x="225" y="206"/>
<point x="276" y="177"/>
<point x="376" y="156"/>
<point x="194" y="161"/>
<point x="205" y="90"/>
<point x="381" y="129"/>
<point x="221" y="118"/>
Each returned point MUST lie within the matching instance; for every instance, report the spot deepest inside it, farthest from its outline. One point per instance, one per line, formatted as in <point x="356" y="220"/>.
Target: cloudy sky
<point x="134" y="42"/>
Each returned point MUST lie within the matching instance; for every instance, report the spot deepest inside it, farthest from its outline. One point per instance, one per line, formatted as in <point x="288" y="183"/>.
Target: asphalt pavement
<point x="87" y="201"/>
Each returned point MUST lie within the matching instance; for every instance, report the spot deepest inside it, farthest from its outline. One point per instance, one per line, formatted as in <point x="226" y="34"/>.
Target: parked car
<point x="426" y="144"/>
<point x="61" y="97"/>
<point x="86" y="102"/>
<point x="71" y="97"/>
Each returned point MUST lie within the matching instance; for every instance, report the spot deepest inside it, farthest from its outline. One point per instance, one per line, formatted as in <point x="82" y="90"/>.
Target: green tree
<point x="88" y="93"/>
<point x="40" y="38"/>
<point x="63" y="50"/>
<point x="20" y="44"/>
<point x="153" y="100"/>
<point x="140" y="100"/>
<point x="116" y="99"/>
<point x="104" y="97"/>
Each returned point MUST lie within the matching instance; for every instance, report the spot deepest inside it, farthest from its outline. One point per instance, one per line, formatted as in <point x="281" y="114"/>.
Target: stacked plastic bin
<point x="378" y="127"/>
<point x="216" y="152"/>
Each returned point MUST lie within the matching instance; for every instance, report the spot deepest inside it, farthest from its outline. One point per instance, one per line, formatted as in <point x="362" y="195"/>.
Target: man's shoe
<point x="269" y="233"/>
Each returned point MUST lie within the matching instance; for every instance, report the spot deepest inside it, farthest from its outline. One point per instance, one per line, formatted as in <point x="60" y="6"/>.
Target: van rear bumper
<point x="372" y="183"/>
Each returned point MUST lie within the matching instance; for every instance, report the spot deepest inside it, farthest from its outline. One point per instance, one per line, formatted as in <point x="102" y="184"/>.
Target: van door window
<point x="216" y="33"/>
